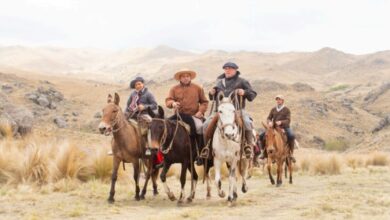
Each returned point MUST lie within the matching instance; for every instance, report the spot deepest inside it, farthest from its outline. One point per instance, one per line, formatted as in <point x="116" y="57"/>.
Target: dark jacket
<point x="146" y="99"/>
<point x="283" y="115"/>
<point x="229" y="85"/>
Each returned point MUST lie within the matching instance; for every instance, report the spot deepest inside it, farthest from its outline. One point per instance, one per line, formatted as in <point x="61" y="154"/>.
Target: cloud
<point x="353" y="26"/>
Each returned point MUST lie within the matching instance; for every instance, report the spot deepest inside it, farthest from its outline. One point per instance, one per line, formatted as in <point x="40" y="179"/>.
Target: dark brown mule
<point x="278" y="151"/>
<point x="127" y="146"/>
<point x="174" y="141"/>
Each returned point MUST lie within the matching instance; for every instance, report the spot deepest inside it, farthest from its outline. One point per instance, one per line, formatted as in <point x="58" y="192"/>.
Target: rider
<point x="228" y="82"/>
<point x="281" y="116"/>
<point x="190" y="101"/>
<point x="139" y="100"/>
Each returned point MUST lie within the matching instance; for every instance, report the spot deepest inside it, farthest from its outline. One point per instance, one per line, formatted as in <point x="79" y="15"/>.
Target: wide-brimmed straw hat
<point x="185" y="71"/>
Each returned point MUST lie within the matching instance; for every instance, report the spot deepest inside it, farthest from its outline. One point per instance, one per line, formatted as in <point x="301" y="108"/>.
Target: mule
<point x="127" y="146"/>
<point x="278" y="152"/>
<point x="227" y="147"/>
<point x="172" y="138"/>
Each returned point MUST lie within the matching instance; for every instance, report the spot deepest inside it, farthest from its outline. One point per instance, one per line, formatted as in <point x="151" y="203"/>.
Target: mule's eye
<point x="220" y="111"/>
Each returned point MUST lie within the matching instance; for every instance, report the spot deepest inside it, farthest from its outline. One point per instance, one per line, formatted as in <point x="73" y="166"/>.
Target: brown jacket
<point x="283" y="115"/>
<point x="191" y="98"/>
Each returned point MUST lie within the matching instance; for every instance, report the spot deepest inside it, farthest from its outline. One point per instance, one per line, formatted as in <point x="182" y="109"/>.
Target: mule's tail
<point x="297" y="146"/>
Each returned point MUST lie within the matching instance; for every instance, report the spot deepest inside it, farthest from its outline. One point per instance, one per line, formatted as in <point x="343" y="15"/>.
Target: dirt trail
<point x="354" y="194"/>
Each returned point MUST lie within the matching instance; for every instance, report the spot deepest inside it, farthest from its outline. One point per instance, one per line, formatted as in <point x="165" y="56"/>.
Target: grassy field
<point x="51" y="180"/>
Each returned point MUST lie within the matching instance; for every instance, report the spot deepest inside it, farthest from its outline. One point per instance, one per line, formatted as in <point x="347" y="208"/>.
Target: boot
<point x="291" y="144"/>
<point x="200" y="146"/>
<point x="250" y="143"/>
<point x="263" y="154"/>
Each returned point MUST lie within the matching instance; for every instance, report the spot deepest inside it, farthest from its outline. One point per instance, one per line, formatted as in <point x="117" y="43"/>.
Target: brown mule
<point x="127" y="147"/>
<point x="278" y="151"/>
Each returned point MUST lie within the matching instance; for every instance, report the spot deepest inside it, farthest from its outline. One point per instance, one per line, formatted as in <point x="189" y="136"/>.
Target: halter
<point x="115" y="122"/>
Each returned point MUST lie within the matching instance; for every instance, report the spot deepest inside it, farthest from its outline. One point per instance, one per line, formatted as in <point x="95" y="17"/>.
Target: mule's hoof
<point x="142" y="197"/>
<point x="208" y="197"/>
<point x="171" y="196"/>
<point x="180" y="202"/>
<point x="278" y="184"/>
<point x="110" y="200"/>
<point x="244" y="188"/>
<point x="221" y="194"/>
<point x="189" y="200"/>
<point x="155" y="193"/>
<point x="272" y="182"/>
<point x="235" y="196"/>
<point x="290" y="181"/>
<point x="137" y="198"/>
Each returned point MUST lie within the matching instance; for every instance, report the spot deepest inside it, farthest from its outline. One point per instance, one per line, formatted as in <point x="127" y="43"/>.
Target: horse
<point x="127" y="147"/>
<point x="278" y="151"/>
<point x="227" y="147"/>
<point x="172" y="138"/>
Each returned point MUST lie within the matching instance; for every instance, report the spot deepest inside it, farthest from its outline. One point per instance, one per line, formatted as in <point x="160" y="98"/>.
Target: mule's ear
<point x="220" y="96"/>
<point x="151" y="113"/>
<point x="161" y="112"/>
<point x="231" y="95"/>
<point x="116" y="99"/>
<point x="264" y="125"/>
<point x="109" y="98"/>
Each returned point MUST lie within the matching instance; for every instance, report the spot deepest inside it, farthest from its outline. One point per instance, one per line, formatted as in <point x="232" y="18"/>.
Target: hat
<point x="279" y="97"/>
<point x="230" y="64"/>
<point x="185" y="71"/>
<point x="134" y="81"/>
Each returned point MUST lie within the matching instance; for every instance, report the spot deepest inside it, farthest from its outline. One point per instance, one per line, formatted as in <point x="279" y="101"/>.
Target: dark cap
<point x="230" y="64"/>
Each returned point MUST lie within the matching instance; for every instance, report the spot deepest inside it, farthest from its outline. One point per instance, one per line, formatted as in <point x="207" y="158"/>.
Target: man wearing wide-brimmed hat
<point x="190" y="101"/>
<point x="280" y="116"/>
<point x="140" y="99"/>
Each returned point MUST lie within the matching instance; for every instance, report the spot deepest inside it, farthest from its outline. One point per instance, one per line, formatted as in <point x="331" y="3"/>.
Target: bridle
<point x="165" y="134"/>
<point x="222" y="127"/>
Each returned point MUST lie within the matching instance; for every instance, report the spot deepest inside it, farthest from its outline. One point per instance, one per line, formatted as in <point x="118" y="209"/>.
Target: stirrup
<point x="248" y="151"/>
<point x="204" y="153"/>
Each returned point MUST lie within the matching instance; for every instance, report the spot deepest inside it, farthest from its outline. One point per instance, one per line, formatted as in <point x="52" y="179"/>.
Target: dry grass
<point x="326" y="165"/>
<point x="378" y="159"/>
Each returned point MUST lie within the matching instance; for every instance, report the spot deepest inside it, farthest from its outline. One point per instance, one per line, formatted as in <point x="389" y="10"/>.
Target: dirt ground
<point x="355" y="194"/>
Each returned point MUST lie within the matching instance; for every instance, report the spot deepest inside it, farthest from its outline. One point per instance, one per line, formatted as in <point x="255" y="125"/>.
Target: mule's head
<point x="227" y="119"/>
<point x="157" y="133"/>
<point x="270" y="139"/>
<point x="111" y="114"/>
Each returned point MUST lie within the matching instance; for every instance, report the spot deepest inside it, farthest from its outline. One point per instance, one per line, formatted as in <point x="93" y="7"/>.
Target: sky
<point x="352" y="26"/>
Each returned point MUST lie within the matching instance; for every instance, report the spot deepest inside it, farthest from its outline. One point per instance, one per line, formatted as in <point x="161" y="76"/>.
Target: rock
<point x="31" y="96"/>
<point x="74" y="119"/>
<point x="75" y="114"/>
<point x="53" y="105"/>
<point x="318" y="141"/>
<point x="7" y="121"/>
<point x="7" y="88"/>
<point x="98" y="115"/>
<point x="60" y="122"/>
<point x="385" y="122"/>
<point x="43" y="101"/>
<point x="374" y="94"/>
<point x="22" y="117"/>
<point x="317" y="108"/>
<point x="265" y="85"/>
<point x="302" y="87"/>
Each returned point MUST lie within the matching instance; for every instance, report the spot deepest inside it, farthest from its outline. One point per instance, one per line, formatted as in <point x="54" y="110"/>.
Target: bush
<point x="336" y="145"/>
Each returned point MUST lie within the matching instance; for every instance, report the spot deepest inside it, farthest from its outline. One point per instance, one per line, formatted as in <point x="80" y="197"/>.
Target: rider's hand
<point x="279" y="123"/>
<point x="212" y="92"/>
<point x="176" y="105"/>
<point x="240" y="92"/>
<point x="199" y="115"/>
<point x="141" y="107"/>
<point x="270" y="124"/>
